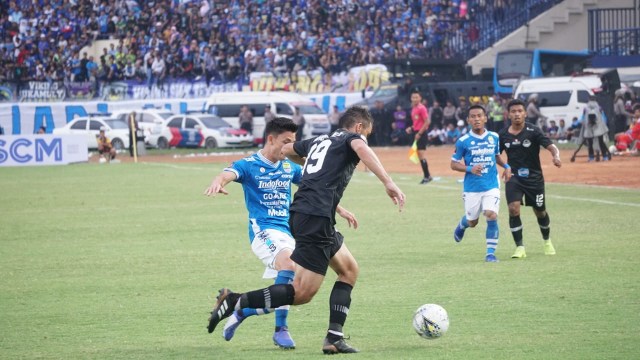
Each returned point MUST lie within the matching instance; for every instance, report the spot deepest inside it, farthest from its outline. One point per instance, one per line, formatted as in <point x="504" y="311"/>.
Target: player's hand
<point x="477" y="169"/>
<point x="349" y="216"/>
<point x="557" y="162"/>
<point x="214" y="189"/>
<point x="506" y="175"/>
<point x="396" y="195"/>
<point x="408" y="130"/>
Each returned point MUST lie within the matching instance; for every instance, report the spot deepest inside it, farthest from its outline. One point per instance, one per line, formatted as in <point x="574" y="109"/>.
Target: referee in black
<point x="522" y="141"/>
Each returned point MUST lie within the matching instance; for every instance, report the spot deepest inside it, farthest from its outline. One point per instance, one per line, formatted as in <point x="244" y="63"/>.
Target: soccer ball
<point x="431" y="321"/>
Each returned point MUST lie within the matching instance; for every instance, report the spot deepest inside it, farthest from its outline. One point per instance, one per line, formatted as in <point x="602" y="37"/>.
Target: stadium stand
<point x="225" y="41"/>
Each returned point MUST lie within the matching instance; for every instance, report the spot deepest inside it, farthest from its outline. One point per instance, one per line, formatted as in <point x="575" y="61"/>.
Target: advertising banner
<point x="32" y="150"/>
<point x="42" y="91"/>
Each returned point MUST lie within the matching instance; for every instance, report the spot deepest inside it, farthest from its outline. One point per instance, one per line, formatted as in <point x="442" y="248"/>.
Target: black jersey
<point x="330" y="162"/>
<point x="523" y="151"/>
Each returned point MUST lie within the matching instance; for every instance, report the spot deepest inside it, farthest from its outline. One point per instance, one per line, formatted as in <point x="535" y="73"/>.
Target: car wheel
<point x="163" y="143"/>
<point x="211" y="143"/>
<point x="117" y="144"/>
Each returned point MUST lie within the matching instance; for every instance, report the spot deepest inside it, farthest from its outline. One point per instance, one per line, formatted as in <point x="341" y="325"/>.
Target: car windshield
<point x="116" y="124"/>
<point x="309" y="108"/>
<point x="165" y="115"/>
<point x="213" y="122"/>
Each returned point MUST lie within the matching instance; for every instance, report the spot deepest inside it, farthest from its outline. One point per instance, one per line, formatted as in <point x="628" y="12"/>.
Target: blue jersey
<point x="267" y="191"/>
<point x="479" y="149"/>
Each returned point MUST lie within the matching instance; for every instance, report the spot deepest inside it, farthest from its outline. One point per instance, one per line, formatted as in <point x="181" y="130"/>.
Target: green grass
<point x="121" y="261"/>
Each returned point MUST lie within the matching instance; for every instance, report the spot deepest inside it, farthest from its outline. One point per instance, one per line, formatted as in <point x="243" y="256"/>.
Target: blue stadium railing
<point x="614" y="36"/>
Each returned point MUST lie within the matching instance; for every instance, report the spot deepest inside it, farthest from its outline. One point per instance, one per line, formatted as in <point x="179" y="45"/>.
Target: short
<point x="533" y="192"/>
<point x="422" y="142"/>
<point x="476" y="202"/>
<point x="267" y="244"/>
<point x="317" y="241"/>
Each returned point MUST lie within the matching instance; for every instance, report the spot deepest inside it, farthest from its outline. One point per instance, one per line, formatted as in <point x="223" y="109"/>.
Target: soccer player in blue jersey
<point x="477" y="154"/>
<point x="266" y="178"/>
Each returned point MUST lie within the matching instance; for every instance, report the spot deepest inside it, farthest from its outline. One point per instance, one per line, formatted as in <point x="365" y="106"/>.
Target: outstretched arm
<point x="371" y="161"/>
<point x="219" y="182"/>
<point x="289" y="152"/>
<point x="553" y="149"/>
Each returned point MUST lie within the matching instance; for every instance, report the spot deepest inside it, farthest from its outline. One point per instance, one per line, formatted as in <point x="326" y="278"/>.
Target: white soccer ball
<point x="431" y="321"/>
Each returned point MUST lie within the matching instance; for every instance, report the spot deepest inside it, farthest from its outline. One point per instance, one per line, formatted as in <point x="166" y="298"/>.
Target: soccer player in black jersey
<point x="329" y="165"/>
<point x="522" y="142"/>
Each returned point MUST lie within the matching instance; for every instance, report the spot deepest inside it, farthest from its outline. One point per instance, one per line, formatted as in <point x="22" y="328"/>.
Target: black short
<point x="533" y="192"/>
<point x="317" y="241"/>
<point x="422" y="142"/>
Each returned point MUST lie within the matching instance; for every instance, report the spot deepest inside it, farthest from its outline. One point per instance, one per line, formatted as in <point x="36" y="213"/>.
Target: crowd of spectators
<point x="42" y="39"/>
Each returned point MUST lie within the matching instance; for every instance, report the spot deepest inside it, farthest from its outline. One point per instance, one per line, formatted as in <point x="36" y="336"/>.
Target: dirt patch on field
<point x="622" y="171"/>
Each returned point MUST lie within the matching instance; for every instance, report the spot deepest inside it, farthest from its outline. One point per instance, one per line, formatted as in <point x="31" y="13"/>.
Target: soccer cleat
<point x="458" y="233"/>
<point x="491" y="258"/>
<point x="282" y="339"/>
<point x="548" y="248"/>
<point x="337" y="347"/>
<point x="231" y="325"/>
<point x="519" y="254"/>
<point x="426" y="180"/>
<point x="223" y="309"/>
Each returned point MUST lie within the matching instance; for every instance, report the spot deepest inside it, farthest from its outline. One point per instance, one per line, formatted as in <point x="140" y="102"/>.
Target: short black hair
<point x="280" y="125"/>
<point x="515" y="102"/>
<point x="354" y="115"/>
<point x="477" y="106"/>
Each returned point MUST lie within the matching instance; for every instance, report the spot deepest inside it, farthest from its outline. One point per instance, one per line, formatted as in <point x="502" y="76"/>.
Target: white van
<point x="562" y="97"/>
<point x="227" y="105"/>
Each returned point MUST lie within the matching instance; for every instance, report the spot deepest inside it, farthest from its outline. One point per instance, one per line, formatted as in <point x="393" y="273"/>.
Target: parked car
<point x="200" y="130"/>
<point x="150" y="120"/>
<point x="116" y="130"/>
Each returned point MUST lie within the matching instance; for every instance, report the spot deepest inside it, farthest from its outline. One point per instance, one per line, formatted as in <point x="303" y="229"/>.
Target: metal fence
<point x="614" y="32"/>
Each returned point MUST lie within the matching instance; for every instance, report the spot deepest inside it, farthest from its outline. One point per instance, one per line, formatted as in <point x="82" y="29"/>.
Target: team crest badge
<point x="491" y="141"/>
<point x="286" y="167"/>
<point x="507" y="145"/>
<point x="262" y="170"/>
<point x="526" y="143"/>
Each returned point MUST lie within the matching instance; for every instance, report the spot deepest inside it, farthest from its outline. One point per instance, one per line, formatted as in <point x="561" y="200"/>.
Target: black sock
<point x="339" y="302"/>
<point x="544" y="226"/>
<point x="425" y="168"/>
<point x="516" y="229"/>
<point x="271" y="297"/>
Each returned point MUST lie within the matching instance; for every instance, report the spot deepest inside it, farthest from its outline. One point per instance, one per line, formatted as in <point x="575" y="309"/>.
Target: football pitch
<point x="122" y="261"/>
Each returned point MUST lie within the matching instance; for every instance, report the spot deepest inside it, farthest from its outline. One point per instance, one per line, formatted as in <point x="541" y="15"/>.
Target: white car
<point x="149" y="120"/>
<point x="116" y="130"/>
<point x="200" y="130"/>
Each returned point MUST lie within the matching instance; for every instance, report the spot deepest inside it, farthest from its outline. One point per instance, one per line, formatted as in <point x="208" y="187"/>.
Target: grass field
<point x="122" y="262"/>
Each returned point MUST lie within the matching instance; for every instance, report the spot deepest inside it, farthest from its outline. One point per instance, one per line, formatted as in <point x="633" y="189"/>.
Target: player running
<point x="477" y="154"/>
<point x="330" y="163"/>
<point x="521" y="141"/>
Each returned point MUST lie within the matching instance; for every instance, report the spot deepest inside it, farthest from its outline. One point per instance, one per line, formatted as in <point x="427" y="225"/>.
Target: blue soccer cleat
<point x="282" y="339"/>
<point x="491" y="258"/>
<point x="458" y="233"/>
<point x="232" y="324"/>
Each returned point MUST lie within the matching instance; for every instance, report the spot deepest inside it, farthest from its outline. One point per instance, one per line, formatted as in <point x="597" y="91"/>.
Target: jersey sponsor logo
<point x="483" y="151"/>
<point x="262" y="170"/>
<point x="273" y="184"/>
<point x="526" y="143"/>
<point x="275" y="195"/>
<point x="507" y="145"/>
<point x="523" y="172"/>
<point x="277" y="212"/>
<point x="529" y="129"/>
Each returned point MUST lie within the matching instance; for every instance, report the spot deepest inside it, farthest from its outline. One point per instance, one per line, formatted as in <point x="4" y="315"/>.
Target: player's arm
<point x="347" y="215"/>
<point x="459" y="166"/>
<point x="291" y="153"/>
<point x="219" y="182"/>
<point x="553" y="149"/>
<point x="371" y="161"/>
<point x="506" y="175"/>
